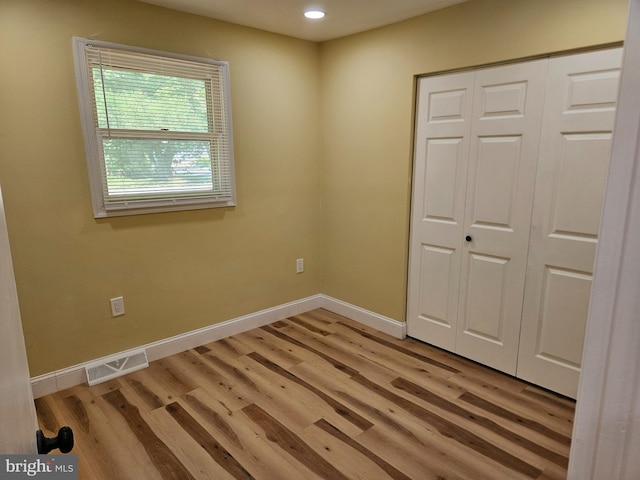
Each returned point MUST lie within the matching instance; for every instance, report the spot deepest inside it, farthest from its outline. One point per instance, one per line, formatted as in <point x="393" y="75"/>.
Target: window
<point x="157" y="129"/>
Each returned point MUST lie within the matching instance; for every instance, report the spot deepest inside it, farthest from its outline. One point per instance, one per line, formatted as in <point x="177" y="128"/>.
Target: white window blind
<point x="157" y="129"/>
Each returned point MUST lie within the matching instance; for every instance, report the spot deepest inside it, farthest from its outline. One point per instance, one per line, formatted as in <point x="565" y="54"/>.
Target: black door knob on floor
<point x="64" y="441"/>
<point x="468" y="238"/>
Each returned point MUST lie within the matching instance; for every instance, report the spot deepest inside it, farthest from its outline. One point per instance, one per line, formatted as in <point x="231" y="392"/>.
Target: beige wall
<point x="177" y="271"/>
<point x="367" y="101"/>
<point x="323" y="158"/>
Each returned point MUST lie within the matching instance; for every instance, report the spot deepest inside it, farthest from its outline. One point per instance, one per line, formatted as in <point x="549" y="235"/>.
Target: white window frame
<point x="103" y="205"/>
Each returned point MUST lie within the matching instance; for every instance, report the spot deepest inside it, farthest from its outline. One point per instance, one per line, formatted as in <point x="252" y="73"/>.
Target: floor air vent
<point x="115" y="367"/>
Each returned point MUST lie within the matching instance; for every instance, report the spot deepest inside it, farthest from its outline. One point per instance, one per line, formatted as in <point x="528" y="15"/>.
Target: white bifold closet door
<point x="476" y="154"/>
<point x="489" y="142"/>
<point x="575" y="148"/>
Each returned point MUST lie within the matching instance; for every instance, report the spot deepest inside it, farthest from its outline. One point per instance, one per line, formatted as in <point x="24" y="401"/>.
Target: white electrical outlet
<point x="300" y="265"/>
<point x="117" y="306"/>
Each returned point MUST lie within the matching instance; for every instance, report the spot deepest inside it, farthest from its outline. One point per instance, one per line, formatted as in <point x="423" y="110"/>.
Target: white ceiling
<point x="344" y="17"/>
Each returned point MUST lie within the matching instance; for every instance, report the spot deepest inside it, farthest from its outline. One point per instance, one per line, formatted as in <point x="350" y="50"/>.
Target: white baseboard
<point x="69" y="377"/>
<point x="366" y="317"/>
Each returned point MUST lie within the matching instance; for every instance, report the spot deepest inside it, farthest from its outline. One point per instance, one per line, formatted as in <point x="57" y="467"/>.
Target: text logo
<point x="50" y="467"/>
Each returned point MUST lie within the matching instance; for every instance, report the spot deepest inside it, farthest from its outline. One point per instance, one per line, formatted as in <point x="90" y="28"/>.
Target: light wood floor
<point x="316" y="396"/>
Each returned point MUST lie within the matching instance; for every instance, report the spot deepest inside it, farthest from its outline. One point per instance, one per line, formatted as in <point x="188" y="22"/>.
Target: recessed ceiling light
<point x="314" y="14"/>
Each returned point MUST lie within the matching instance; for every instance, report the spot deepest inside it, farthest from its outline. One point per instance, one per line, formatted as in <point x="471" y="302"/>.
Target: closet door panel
<point x="495" y="181"/>
<point x="583" y="162"/>
<point x="572" y="171"/>
<point x="442" y="134"/>
<point x="504" y="139"/>
<point x="564" y="302"/>
<point x="487" y="287"/>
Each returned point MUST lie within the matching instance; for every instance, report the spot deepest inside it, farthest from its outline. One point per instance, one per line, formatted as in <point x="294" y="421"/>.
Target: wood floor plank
<point x="519" y="403"/>
<point x="405" y="363"/>
<point x="213" y="418"/>
<point x="201" y="372"/>
<point x="208" y="442"/>
<point x="263" y="385"/>
<point x="533" y="425"/>
<point x="309" y="323"/>
<point x="429" y="462"/>
<point x="172" y="379"/>
<point x="387" y="417"/>
<point x="321" y="317"/>
<point x="320" y="352"/>
<point x="379" y="410"/>
<point x="231" y="370"/>
<point x="230" y="347"/>
<point x="451" y="430"/>
<point x="536" y="435"/>
<point x="300" y="350"/>
<point x="389" y="469"/>
<point x="314" y="396"/>
<point x="162" y="458"/>
<point x="354" y="464"/>
<point x="266" y="384"/>
<point x="283" y="398"/>
<point x="241" y="438"/>
<point x="150" y="394"/>
<point x="338" y="407"/>
<point x="292" y="444"/>
<point x="379" y="339"/>
<point x="494" y="428"/>
<point x="98" y="438"/>
<point x="186" y="448"/>
<point x="553" y="473"/>
<point x="258" y="341"/>
<point x="453" y="361"/>
<point x="48" y="417"/>
<point x="549" y="398"/>
<point x="346" y="360"/>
